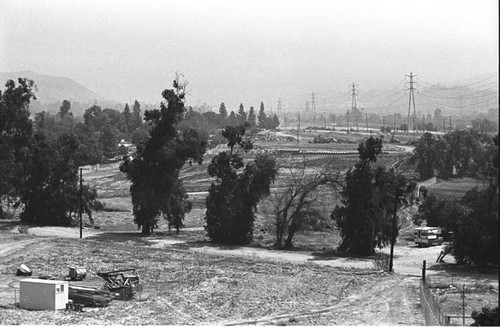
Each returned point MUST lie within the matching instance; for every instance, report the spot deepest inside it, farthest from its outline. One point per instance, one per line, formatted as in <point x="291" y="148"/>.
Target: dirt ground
<point x="186" y="286"/>
<point x="377" y="298"/>
<point x="408" y="258"/>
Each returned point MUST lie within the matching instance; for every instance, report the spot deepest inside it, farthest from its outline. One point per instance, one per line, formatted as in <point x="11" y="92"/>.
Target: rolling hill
<point x="51" y="89"/>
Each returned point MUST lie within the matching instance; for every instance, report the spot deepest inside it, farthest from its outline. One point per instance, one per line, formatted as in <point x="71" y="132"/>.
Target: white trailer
<point x="427" y="236"/>
<point x="41" y="294"/>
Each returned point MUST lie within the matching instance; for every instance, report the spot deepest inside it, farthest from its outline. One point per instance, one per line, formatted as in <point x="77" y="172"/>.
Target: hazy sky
<point x="248" y="51"/>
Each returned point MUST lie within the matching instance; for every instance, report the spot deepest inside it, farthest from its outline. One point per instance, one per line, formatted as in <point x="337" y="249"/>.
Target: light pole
<point x="80" y="202"/>
<point x="393" y="236"/>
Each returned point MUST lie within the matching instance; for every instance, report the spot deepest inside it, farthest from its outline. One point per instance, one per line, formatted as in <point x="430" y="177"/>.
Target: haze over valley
<point x="252" y="51"/>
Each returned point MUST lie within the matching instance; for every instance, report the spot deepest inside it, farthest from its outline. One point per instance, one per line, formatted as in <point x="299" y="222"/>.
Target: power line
<point x="397" y="102"/>
<point x="484" y="101"/>
<point x="397" y="88"/>
<point x="471" y="103"/>
<point x="452" y="97"/>
<point x="398" y="92"/>
<point x="467" y="85"/>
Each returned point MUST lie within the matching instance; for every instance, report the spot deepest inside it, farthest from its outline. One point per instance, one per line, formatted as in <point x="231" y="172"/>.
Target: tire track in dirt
<point x="9" y="282"/>
<point x="8" y="248"/>
<point x="389" y="302"/>
<point x="386" y="303"/>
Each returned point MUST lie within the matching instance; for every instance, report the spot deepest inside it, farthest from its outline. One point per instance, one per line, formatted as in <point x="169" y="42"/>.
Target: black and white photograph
<point x="249" y="162"/>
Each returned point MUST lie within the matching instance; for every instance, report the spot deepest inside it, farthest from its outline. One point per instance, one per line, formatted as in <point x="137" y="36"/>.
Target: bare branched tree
<point x="297" y="202"/>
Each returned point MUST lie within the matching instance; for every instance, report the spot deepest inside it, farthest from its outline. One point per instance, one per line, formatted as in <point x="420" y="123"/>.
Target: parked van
<point x="427" y="236"/>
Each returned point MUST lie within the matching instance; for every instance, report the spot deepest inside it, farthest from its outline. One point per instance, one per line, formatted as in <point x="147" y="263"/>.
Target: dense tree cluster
<point x="370" y="197"/>
<point x="39" y="164"/>
<point x="16" y="131"/>
<point x="154" y="171"/>
<point x="100" y="131"/>
<point x="233" y="198"/>
<point x="104" y="128"/>
<point x="50" y="189"/>
<point x="472" y="219"/>
<point x="210" y="121"/>
<point x="459" y="153"/>
<point x="267" y="122"/>
<point x="484" y="125"/>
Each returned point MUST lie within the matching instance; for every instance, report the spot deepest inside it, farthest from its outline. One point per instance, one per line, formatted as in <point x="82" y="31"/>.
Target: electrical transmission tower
<point x="411" y="100"/>
<point x="313" y="107"/>
<point x="280" y="107"/>
<point x="280" y="110"/>
<point x="354" y="95"/>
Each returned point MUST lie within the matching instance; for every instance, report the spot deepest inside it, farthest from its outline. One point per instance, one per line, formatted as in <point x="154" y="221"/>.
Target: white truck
<point x="427" y="236"/>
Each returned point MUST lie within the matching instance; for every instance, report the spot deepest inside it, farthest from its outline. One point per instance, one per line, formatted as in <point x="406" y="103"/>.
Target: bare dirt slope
<point x="388" y="301"/>
<point x="205" y="288"/>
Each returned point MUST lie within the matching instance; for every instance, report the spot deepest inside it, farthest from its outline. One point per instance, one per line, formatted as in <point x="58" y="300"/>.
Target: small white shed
<point x="41" y="294"/>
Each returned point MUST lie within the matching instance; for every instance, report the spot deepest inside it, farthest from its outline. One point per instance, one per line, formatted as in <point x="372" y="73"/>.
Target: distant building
<point x="127" y="145"/>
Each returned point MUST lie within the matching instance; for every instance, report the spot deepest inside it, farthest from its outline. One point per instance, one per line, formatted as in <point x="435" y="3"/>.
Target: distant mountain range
<point x="54" y="89"/>
<point x="474" y="94"/>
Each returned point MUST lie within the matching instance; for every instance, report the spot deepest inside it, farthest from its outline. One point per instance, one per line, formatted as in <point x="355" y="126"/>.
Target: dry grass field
<point x="455" y="188"/>
<point x="183" y="287"/>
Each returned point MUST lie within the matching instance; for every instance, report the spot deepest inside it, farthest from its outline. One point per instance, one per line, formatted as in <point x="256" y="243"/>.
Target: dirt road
<point x="408" y="260"/>
<point x="11" y="248"/>
<point x="391" y="302"/>
<point x="66" y="232"/>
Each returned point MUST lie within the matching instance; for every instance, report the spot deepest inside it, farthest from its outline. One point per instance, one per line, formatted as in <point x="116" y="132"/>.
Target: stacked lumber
<point x="90" y="296"/>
